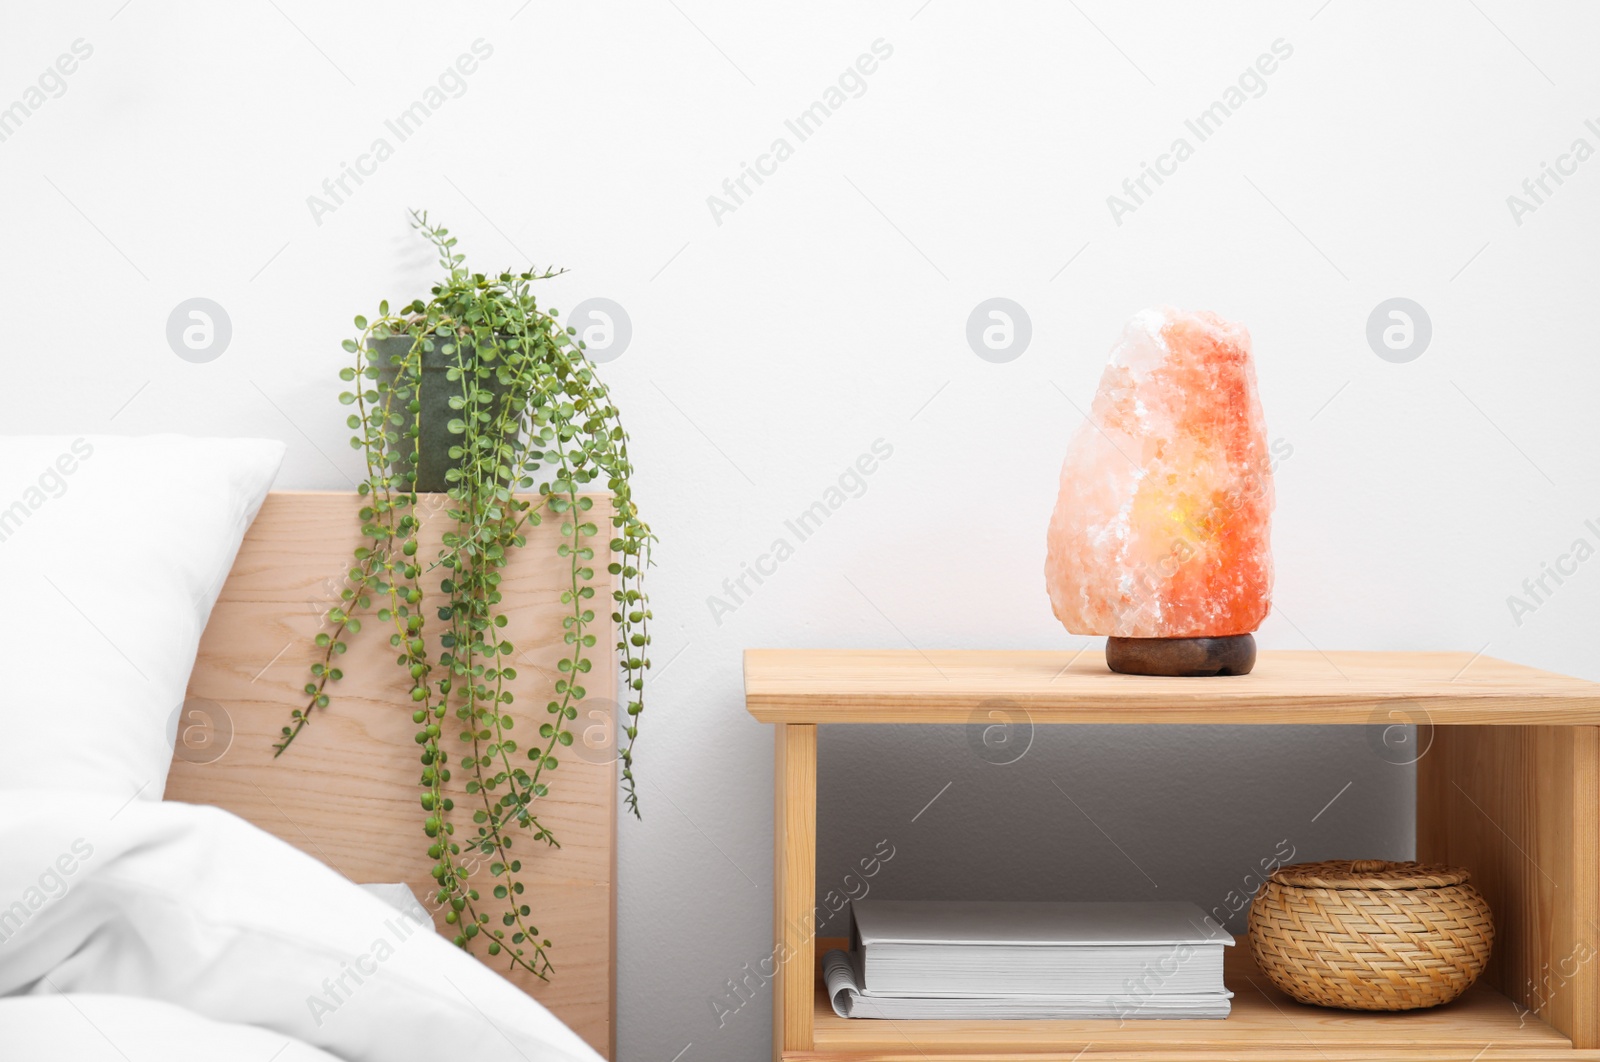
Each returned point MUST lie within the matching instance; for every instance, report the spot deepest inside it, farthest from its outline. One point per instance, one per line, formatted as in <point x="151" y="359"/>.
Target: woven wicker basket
<point x="1371" y="935"/>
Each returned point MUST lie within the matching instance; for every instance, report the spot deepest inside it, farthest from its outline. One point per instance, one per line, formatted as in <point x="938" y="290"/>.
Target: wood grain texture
<point x="794" y="885"/>
<point x="1520" y="808"/>
<point x="949" y="686"/>
<point x="1265" y="1024"/>
<point x="346" y="791"/>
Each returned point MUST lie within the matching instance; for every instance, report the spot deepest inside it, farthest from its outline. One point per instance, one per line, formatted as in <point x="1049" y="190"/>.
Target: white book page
<point x="978" y="922"/>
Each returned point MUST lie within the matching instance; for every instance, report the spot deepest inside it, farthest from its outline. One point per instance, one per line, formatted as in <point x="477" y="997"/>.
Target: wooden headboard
<point x="346" y="792"/>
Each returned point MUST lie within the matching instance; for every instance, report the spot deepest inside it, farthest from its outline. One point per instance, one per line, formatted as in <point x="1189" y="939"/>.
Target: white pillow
<point x="112" y="552"/>
<point x="194" y="906"/>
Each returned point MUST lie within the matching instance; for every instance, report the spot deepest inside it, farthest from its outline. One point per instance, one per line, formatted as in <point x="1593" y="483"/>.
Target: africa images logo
<point x="1251" y="84"/>
<point x="451" y="84"/>
<point x="851" y="84"/>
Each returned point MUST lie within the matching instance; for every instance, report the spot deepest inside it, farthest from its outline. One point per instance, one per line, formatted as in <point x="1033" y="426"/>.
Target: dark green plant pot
<point x="435" y="438"/>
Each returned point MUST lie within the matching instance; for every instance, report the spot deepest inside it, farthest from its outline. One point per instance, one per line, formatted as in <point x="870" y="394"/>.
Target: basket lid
<point x="1369" y="874"/>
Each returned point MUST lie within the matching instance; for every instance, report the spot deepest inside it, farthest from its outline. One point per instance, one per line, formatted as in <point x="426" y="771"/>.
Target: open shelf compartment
<point x="1509" y="788"/>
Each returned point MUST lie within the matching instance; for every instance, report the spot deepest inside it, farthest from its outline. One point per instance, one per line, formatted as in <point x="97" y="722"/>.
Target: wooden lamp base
<point x="1233" y="654"/>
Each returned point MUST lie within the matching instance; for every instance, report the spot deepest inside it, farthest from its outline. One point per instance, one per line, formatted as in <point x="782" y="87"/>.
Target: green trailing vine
<point x="532" y="428"/>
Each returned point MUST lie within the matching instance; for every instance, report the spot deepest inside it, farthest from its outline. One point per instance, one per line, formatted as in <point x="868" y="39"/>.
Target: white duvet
<point x="140" y="930"/>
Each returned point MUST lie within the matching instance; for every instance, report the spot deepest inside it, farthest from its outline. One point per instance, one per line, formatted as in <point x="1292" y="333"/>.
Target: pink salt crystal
<point x="1161" y="526"/>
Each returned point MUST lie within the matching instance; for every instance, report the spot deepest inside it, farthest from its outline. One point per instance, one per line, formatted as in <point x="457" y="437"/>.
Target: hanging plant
<point x="526" y="428"/>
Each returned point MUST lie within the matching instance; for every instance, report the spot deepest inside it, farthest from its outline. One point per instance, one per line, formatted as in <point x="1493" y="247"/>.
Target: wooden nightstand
<point x="1509" y="788"/>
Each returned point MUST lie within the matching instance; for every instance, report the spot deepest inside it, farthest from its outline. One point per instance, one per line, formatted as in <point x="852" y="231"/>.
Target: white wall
<point x="828" y="311"/>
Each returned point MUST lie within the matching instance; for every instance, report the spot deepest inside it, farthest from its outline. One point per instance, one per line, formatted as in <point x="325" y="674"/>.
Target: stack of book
<point x="976" y="959"/>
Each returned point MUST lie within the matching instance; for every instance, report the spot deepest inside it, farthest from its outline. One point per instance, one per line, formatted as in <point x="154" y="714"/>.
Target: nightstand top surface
<point x="1286" y="687"/>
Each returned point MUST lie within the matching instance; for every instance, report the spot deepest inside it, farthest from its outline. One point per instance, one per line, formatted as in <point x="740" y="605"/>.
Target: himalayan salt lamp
<point x="1159" y="539"/>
